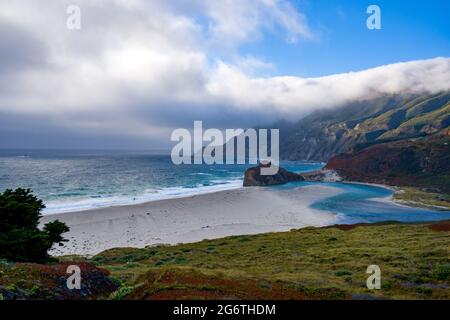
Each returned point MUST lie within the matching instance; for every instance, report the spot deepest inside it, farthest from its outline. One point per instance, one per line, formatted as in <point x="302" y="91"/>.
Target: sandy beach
<point x="191" y="219"/>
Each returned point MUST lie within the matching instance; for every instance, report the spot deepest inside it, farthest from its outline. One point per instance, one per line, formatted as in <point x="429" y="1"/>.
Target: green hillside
<point x="324" y="134"/>
<point x="310" y="263"/>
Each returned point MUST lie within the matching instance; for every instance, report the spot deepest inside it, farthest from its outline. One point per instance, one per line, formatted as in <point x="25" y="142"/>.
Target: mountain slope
<point x="420" y="162"/>
<point x="325" y="134"/>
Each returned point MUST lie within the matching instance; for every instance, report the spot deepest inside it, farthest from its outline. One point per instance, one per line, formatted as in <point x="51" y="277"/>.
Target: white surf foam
<point x="72" y="205"/>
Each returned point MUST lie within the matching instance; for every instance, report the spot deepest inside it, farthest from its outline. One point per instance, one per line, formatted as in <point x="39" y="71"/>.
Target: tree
<point x="21" y="239"/>
<point x="55" y="229"/>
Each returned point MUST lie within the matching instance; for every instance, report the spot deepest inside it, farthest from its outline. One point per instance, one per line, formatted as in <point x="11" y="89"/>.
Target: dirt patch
<point x="182" y="284"/>
<point x="347" y="227"/>
<point x="440" y="226"/>
<point x="49" y="281"/>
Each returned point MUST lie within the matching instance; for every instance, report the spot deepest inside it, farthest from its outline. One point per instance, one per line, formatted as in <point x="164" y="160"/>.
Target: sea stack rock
<point x="253" y="177"/>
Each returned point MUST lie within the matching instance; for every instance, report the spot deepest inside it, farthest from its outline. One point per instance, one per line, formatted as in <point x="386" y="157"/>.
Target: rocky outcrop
<point x="253" y="177"/>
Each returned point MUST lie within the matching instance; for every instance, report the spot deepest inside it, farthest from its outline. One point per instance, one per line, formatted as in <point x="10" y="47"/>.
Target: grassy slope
<point x="311" y="263"/>
<point x="323" y="134"/>
<point x="419" y="198"/>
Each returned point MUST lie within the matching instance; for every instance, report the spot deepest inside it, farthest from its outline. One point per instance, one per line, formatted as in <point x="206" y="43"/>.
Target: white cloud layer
<point x="293" y="96"/>
<point x="140" y="68"/>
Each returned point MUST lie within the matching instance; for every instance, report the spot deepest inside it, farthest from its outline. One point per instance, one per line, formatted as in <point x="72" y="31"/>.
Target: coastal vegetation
<point x="20" y="238"/>
<point x="417" y="197"/>
<point x="310" y="263"/>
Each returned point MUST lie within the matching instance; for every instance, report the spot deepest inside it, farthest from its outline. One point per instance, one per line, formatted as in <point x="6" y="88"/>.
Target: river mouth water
<point x="360" y="203"/>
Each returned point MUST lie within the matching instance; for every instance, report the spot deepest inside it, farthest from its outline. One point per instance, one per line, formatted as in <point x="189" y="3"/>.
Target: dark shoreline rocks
<point x="253" y="177"/>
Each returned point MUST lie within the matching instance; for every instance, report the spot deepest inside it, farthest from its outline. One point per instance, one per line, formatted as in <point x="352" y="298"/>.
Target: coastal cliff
<point x="325" y="134"/>
<point x="422" y="162"/>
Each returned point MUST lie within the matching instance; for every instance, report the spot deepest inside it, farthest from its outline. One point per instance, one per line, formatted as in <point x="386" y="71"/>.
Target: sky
<point x="138" y="69"/>
<point x="411" y="30"/>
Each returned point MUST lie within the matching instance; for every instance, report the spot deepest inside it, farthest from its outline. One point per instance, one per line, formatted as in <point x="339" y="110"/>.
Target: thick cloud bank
<point x="139" y="68"/>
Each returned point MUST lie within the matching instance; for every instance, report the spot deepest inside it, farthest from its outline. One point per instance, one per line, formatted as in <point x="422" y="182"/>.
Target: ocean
<point x="80" y="180"/>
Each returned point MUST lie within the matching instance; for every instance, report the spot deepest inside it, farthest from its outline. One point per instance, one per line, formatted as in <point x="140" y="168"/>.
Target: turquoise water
<point x="80" y="180"/>
<point x="363" y="203"/>
<point x="360" y="203"/>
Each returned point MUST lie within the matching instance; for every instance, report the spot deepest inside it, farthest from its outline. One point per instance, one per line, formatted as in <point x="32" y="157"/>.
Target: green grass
<point x="414" y="261"/>
<point x="434" y="117"/>
<point x="418" y="197"/>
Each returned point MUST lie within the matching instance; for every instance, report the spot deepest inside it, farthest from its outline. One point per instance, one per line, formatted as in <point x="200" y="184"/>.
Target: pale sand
<point x="183" y="220"/>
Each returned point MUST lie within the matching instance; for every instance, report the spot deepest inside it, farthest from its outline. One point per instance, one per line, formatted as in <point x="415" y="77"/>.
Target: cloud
<point x="294" y="96"/>
<point x="233" y="21"/>
<point x="21" y="51"/>
<point x="139" y="68"/>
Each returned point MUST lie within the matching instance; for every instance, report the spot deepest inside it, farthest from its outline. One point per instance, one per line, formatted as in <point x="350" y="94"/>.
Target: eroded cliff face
<point x="423" y="162"/>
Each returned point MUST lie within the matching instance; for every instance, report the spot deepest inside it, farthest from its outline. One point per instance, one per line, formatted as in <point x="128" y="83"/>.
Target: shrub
<point x="425" y="290"/>
<point x="442" y="272"/>
<point x="20" y="238"/>
<point x="121" y="293"/>
<point x="342" y="273"/>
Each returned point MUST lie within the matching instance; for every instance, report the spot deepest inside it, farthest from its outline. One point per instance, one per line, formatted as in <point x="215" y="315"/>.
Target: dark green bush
<point x="341" y="273"/>
<point x="20" y="238"/>
<point x="442" y="272"/>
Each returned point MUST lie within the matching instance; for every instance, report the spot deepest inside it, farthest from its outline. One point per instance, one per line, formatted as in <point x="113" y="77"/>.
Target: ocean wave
<point x="94" y="202"/>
